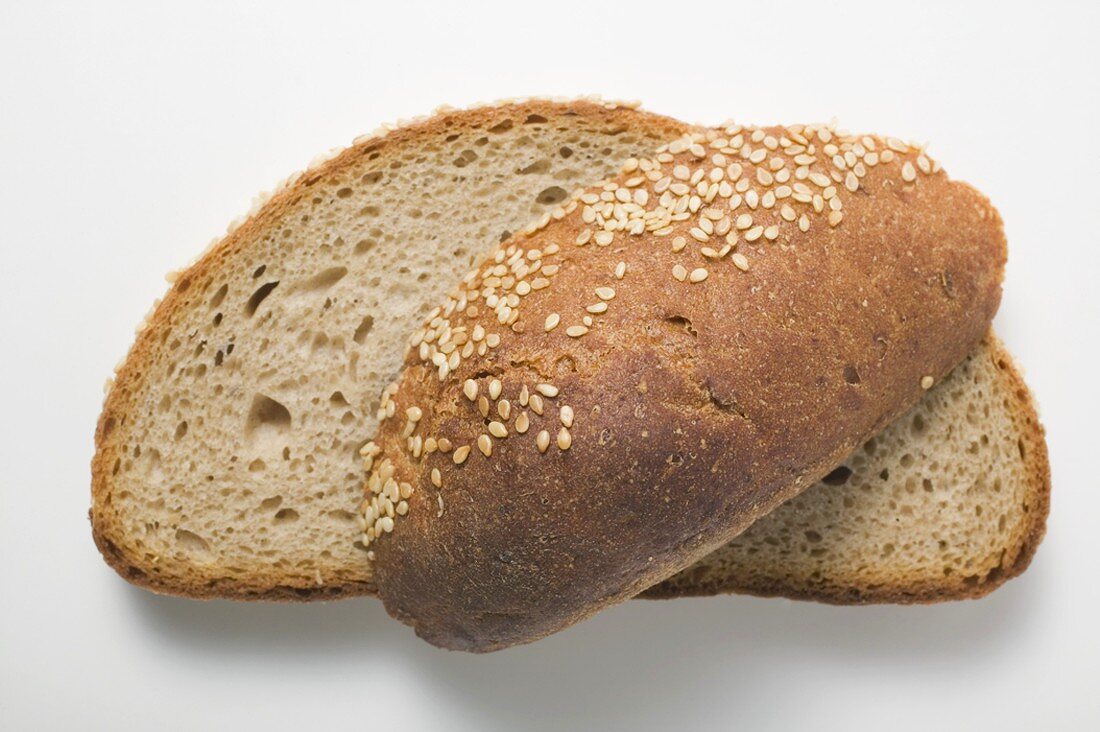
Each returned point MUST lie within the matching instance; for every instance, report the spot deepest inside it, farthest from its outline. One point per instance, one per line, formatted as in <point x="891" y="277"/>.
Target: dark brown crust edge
<point x="108" y="536"/>
<point x="1017" y="557"/>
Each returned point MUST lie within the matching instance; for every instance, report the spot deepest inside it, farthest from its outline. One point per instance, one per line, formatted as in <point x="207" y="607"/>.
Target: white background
<point x="130" y="134"/>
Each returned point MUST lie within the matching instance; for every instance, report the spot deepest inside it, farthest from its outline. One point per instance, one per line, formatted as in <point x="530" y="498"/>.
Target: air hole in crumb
<point x="851" y="375"/>
<point x="1021" y="448"/>
<point x="266" y="414"/>
<point x="363" y="330"/>
<point x="364" y="246"/>
<point x="565" y="152"/>
<point x="191" y="542"/>
<point x="534" y="119"/>
<point x="838" y="477"/>
<point x="257" y="466"/>
<point x="502" y="126"/>
<point x="181" y="430"/>
<point x="271" y="504"/>
<point x="286" y="516"/>
<point x="259" y="271"/>
<point x="812" y="536"/>
<point x="906" y="460"/>
<point x="536" y="168"/>
<point x="339" y="399"/>
<point x="551" y="195"/>
<point x="918" y="424"/>
<point x="258" y="297"/>
<point x="884" y="474"/>
<point x="504" y="235"/>
<point x="216" y="300"/>
<point x="344" y="192"/>
<point x="323" y="280"/>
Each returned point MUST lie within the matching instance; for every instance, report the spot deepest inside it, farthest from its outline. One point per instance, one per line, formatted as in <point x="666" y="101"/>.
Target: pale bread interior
<point x="232" y="465"/>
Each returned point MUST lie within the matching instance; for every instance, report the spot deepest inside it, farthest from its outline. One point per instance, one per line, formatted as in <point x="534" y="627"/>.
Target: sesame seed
<point x="566" y="415"/>
<point x="536" y="404"/>
<point x="565" y="440"/>
<point x="485" y="445"/>
<point x="620" y="270"/>
<point x="522" y="423"/>
<point x="679" y="272"/>
<point x="414" y="414"/>
<point x="483" y="406"/>
<point x="495" y="387"/>
<point x="597" y="308"/>
<point x="908" y="173"/>
<point x="603" y="238"/>
<point x="460" y="454"/>
<point x="552" y="321"/>
<point x="437" y="478"/>
<point x="504" y="409"/>
<point x="927" y="382"/>
<point x="678" y="243"/>
<point x="497" y="429"/>
<point x="386" y="523"/>
<point x="740" y="261"/>
<point x="543" y="440"/>
<point x="547" y="390"/>
<point x="754" y="233"/>
<point x="576" y="331"/>
<point x="605" y="293"/>
<point x="698" y="275"/>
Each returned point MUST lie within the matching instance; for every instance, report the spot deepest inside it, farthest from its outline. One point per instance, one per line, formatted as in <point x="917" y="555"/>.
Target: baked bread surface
<point x="704" y="389"/>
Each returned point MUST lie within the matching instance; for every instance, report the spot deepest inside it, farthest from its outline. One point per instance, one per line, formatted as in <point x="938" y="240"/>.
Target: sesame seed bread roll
<point x="639" y="377"/>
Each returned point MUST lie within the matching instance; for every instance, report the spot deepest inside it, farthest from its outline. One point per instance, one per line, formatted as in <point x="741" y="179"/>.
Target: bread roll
<point x="633" y="381"/>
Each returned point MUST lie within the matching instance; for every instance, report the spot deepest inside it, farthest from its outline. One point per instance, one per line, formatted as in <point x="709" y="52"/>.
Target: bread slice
<point x="227" y="453"/>
<point x="227" y="460"/>
<point x="949" y="501"/>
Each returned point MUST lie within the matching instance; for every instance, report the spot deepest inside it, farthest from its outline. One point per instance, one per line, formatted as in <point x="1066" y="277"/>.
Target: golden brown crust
<point x="697" y="411"/>
<point x="133" y="377"/>
<point x="904" y="589"/>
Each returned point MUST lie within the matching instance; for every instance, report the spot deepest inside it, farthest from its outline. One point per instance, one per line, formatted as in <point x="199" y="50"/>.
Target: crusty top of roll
<point x="634" y="380"/>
